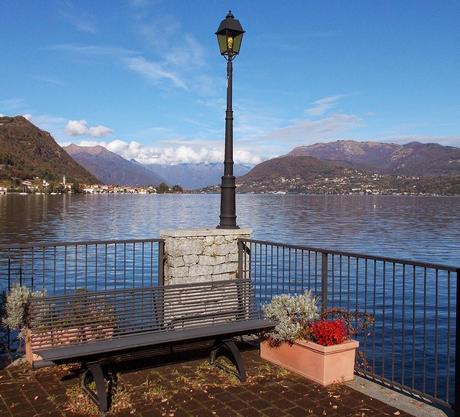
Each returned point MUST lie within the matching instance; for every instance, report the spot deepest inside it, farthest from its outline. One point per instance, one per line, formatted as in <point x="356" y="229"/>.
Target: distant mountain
<point x="192" y="176"/>
<point x="111" y="168"/>
<point x="411" y="159"/>
<point x="293" y="174"/>
<point x="288" y="167"/>
<point x="305" y="174"/>
<point x="27" y="152"/>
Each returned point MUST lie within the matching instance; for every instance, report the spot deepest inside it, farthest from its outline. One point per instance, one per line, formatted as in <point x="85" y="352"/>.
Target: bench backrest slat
<point x="85" y="317"/>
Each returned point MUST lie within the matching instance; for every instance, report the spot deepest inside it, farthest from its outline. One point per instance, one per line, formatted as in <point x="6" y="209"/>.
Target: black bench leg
<point x="101" y="397"/>
<point x="235" y="356"/>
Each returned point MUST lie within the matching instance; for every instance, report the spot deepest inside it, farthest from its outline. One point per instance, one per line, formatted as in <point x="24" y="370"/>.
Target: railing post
<point x="9" y="271"/>
<point x="457" y="346"/>
<point x="323" y="282"/>
<point x="5" y="293"/>
<point x="240" y="259"/>
<point x="161" y="262"/>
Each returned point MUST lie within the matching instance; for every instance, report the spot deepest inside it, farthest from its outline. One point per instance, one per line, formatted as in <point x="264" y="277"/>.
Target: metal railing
<point x="412" y="343"/>
<point x="63" y="267"/>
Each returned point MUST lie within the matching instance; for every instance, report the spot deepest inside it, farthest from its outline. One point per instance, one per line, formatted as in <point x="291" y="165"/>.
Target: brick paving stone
<point x="27" y="413"/>
<point x="289" y="395"/>
<point x="187" y="388"/>
<point x="274" y="412"/>
<point x="226" y="412"/>
<point x="269" y="396"/>
<point x="246" y="396"/>
<point x="303" y="401"/>
<point x="192" y="404"/>
<point x="202" y="412"/>
<point x="4" y="411"/>
<point x="225" y="396"/>
<point x="238" y="389"/>
<point x="237" y="405"/>
<point x="260" y="404"/>
<point x="250" y="412"/>
<point x="298" y="412"/>
<point x="180" y="412"/>
<point x="283" y="404"/>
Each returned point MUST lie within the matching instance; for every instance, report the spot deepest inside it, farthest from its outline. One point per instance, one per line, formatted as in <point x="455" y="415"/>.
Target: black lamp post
<point x="229" y="37"/>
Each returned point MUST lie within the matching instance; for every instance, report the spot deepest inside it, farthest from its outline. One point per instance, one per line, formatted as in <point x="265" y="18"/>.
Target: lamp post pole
<point x="229" y="36"/>
<point x="227" y="193"/>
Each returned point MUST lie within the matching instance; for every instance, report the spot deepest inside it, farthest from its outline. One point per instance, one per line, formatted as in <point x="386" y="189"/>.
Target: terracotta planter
<point x="34" y="341"/>
<point x="97" y="332"/>
<point x="322" y="364"/>
<point x="42" y="340"/>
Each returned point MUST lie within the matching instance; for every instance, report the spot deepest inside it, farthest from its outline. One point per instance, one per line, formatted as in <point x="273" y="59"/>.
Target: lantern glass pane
<point x="237" y="43"/>
<point x="222" y="40"/>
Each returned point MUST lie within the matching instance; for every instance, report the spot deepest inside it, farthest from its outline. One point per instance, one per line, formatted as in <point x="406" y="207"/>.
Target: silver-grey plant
<point x="292" y="313"/>
<point x="17" y="302"/>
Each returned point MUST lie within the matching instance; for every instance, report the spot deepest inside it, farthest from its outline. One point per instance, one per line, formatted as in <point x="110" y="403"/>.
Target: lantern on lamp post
<point x="229" y="37"/>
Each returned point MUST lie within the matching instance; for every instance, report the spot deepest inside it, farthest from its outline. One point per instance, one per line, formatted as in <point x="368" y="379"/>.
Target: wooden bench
<point x="92" y="327"/>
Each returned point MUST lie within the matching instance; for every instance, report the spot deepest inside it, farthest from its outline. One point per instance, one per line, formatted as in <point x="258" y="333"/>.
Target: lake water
<point x="422" y="228"/>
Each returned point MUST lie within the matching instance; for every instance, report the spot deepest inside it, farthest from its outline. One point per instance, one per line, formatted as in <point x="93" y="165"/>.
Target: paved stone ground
<point x="183" y="385"/>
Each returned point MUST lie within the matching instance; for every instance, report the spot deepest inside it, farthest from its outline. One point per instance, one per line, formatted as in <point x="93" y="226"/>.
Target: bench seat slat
<point x="151" y="339"/>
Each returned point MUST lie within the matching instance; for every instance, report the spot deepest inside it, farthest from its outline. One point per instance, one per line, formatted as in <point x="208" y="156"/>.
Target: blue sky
<point x="145" y="78"/>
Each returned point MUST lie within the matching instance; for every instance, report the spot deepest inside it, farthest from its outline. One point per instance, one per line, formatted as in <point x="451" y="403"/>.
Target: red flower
<point x="327" y="333"/>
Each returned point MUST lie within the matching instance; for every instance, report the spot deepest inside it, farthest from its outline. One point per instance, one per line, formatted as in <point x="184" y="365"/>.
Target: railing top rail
<point x="42" y="245"/>
<point x="449" y="268"/>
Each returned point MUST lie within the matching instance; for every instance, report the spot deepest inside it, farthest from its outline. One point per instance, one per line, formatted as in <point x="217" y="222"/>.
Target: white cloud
<point x="48" y="80"/>
<point x="76" y="127"/>
<point x="171" y="57"/>
<point x="82" y="24"/>
<point x="173" y="155"/>
<point x="188" y="53"/>
<point x="243" y="156"/>
<point x="160" y="32"/>
<point x="167" y="68"/>
<point x="27" y="116"/>
<point x="94" y="50"/>
<point x="322" y="105"/>
<point x="99" y="131"/>
<point x="80" y="20"/>
<point x="153" y="71"/>
<point x="2" y="115"/>
<point x="80" y="127"/>
<point x="306" y="131"/>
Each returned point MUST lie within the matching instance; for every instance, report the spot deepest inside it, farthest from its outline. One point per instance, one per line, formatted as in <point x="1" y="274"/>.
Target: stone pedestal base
<point x="198" y="255"/>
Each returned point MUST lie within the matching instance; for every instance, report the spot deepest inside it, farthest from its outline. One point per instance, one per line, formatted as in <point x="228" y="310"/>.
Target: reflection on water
<point x="424" y="228"/>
